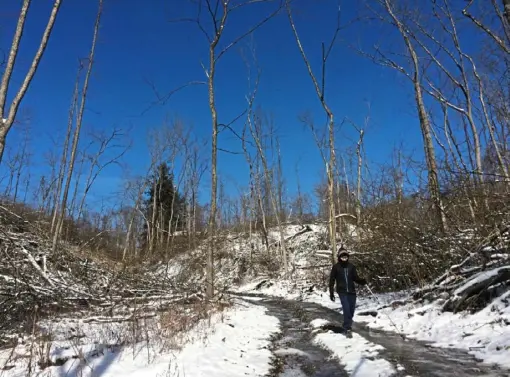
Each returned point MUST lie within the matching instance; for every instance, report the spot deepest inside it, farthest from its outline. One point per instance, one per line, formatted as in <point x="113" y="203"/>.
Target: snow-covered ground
<point x="232" y="343"/>
<point x="236" y="342"/>
<point x="359" y="356"/>
<point x="485" y="334"/>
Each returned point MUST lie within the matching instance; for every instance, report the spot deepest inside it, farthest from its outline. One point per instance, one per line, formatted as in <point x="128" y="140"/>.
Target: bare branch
<point x="251" y="29"/>
<point x="163" y="99"/>
<point x="485" y="28"/>
<point x="228" y="151"/>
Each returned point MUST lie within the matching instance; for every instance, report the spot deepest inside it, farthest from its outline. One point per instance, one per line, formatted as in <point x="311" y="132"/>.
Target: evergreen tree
<point x="164" y="209"/>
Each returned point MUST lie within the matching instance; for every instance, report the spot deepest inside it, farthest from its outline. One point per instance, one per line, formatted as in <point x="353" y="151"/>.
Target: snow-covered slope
<point x="243" y="258"/>
<point x="229" y="344"/>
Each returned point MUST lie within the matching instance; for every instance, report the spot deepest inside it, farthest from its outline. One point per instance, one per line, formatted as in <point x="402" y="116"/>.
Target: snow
<point x="231" y="344"/>
<point x="358" y="355"/>
<point x="290" y="351"/>
<point x="318" y="323"/>
<point x="236" y="342"/>
<point x="485" y="334"/>
<point x="481" y="276"/>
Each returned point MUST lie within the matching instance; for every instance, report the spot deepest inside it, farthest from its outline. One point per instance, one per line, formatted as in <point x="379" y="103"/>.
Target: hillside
<point x="52" y="300"/>
<point x="37" y="283"/>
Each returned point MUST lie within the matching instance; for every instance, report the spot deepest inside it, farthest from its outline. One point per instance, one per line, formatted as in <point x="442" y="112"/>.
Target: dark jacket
<point x="344" y="274"/>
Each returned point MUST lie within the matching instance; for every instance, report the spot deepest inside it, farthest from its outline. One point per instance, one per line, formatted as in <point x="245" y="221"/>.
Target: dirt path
<point x="295" y="355"/>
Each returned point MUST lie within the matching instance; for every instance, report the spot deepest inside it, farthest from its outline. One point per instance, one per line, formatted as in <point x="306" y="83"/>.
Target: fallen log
<point x="475" y="286"/>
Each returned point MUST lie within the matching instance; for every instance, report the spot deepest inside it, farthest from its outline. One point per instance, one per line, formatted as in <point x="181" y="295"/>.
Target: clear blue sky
<point x="138" y="42"/>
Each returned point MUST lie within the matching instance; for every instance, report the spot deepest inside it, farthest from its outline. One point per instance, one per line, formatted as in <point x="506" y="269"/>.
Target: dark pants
<point x="348" y="306"/>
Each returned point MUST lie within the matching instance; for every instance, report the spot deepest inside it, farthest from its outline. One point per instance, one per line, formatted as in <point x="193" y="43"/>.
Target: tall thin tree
<point x="8" y="116"/>
<point x="77" y="130"/>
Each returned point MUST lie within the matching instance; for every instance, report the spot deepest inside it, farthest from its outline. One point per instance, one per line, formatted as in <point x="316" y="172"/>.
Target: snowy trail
<point x="371" y="353"/>
<point x="294" y="352"/>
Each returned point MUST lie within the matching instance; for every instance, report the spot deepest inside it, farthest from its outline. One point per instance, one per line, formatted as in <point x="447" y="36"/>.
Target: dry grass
<point x="183" y="318"/>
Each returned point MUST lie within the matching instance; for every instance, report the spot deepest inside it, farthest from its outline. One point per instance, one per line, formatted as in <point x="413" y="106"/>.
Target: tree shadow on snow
<point x="358" y="367"/>
<point x="93" y="364"/>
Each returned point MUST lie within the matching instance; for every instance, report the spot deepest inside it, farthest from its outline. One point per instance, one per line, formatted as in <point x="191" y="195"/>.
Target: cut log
<point x="475" y="286"/>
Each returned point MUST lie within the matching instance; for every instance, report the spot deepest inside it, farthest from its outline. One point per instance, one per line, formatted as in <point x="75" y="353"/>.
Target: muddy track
<point x="296" y="355"/>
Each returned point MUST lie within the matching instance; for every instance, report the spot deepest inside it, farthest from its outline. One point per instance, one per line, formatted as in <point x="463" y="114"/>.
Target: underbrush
<point x="76" y="343"/>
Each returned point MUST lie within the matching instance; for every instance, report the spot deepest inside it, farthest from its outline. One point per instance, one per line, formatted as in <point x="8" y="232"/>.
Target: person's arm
<point x="332" y="279"/>
<point x="357" y="279"/>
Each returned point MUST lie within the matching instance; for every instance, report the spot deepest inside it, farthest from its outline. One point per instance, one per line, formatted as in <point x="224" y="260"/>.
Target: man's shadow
<point x="337" y="329"/>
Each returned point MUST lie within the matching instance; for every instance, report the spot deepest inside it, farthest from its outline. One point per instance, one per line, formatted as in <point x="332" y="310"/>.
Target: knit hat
<point x="341" y="252"/>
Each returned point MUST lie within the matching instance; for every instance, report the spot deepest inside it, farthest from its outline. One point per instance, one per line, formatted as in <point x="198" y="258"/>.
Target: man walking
<point x="344" y="274"/>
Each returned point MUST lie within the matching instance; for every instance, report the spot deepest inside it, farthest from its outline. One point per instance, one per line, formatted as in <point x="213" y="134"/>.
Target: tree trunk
<point x="152" y="224"/>
<point x="358" y="187"/>
<point x="65" y="149"/>
<point x="77" y="181"/>
<point x="7" y="119"/>
<point x="214" y="176"/>
<point x="331" y="183"/>
<point x="506" y="11"/>
<point x="320" y="91"/>
<point x="433" y="181"/>
<point x="77" y="130"/>
<point x="271" y="194"/>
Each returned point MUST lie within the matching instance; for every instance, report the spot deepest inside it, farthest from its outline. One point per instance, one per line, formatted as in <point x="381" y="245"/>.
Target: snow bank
<point x="236" y="345"/>
<point x="485" y="334"/>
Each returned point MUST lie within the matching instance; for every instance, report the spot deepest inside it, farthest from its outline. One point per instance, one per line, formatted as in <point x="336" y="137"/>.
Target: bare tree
<point x="219" y="12"/>
<point x="398" y="179"/>
<point x="320" y="91"/>
<point x="8" y="116"/>
<point x="299" y="201"/>
<point x="257" y="137"/>
<point x="65" y="149"/>
<point x="280" y="181"/>
<point x="258" y="208"/>
<point x="76" y="136"/>
<point x="467" y="95"/>
<point x="96" y="166"/>
<point x="414" y="75"/>
<point x="23" y="158"/>
<point x="255" y="189"/>
<point x="141" y="187"/>
<point x="465" y="64"/>
<point x="78" y="171"/>
<point x="47" y="183"/>
<point x="195" y="171"/>
<point x="12" y="165"/>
